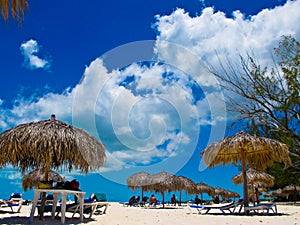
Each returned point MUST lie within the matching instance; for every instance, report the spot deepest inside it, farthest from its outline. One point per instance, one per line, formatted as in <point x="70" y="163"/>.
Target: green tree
<point x="17" y="8"/>
<point x="268" y="100"/>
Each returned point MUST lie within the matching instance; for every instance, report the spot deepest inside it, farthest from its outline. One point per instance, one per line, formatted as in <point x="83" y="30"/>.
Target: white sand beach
<point x="117" y="214"/>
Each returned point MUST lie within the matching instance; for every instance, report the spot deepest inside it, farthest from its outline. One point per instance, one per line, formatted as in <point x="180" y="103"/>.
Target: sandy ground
<point x="117" y="214"/>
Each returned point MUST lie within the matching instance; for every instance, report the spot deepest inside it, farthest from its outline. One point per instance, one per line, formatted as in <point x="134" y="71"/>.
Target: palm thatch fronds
<point x="50" y="144"/>
<point x="205" y="188"/>
<point x="278" y="192"/>
<point x="257" y="152"/>
<point x="138" y="180"/>
<point x="162" y="182"/>
<point x="17" y="8"/>
<point x="256" y="179"/>
<point x="33" y="178"/>
<point x="254" y="176"/>
<point x="291" y="190"/>
<point x="183" y="183"/>
<point x="220" y="191"/>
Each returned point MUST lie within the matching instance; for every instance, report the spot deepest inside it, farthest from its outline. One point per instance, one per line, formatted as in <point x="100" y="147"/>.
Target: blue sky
<point x="133" y="74"/>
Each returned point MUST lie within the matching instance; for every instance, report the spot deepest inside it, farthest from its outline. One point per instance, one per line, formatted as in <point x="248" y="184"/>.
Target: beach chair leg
<point x="19" y="209"/>
<point x="93" y="211"/>
<point x="207" y="210"/>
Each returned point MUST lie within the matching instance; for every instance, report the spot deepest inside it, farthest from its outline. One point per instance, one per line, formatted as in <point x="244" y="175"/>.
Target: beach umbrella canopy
<point x="278" y="192"/>
<point x="233" y="194"/>
<point x="50" y="144"/>
<point x="204" y="188"/>
<point x="255" y="179"/>
<point x="257" y="152"/>
<point x="138" y="180"/>
<point x="221" y="191"/>
<point x="291" y="189"/>
<point x="183" y="183"/>
<point x="162" y="182"/>
<point x="33" y="178"/>
<point x="254" y="176"/>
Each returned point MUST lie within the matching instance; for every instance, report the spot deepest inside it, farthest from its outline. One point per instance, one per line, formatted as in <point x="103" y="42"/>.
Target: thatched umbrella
<point x="220" y="191"/>
<point x="291" y="189"/>
<point x="50" y="144"/>
<point x="257" y="152"/>
<point x="138" y="180"/>
<point x="183" y="183"/>
<point x="277" y="192"/>
<point x="233" y="194"/>
<point x="253" y="177"/>
<point x="33" y="178"/>
<point x="162" y="182"/>
<point x="204" y="188"/>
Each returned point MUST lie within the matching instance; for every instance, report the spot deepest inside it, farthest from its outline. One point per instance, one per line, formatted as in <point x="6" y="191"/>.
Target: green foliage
<point x="283" y="119"/>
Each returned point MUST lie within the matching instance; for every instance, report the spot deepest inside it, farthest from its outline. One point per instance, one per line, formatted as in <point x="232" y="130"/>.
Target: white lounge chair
<point x="264" y="208"/>
<point x="230" y="207"/>
<point x="15" y="200"/>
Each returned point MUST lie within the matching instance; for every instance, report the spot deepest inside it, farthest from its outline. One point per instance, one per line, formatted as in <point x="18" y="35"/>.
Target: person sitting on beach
<point x="10" y="201"/>
<point x="216" y="200"/>
<point x="153" y="200"/>
<point x="197" y="200"/>
<point x="137" y="199"/>
<point x="131" y="201"/>
<point x="144" y="200"/>
<point x="173" y="200"/>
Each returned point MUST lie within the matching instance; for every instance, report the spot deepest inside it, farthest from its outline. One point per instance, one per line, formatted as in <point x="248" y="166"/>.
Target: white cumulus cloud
<point x="30" y="50"/>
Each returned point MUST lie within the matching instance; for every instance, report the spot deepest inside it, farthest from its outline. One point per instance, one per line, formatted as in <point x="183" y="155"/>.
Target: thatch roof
<point x="259" y="151"/>
<point x="255" y="176"/>
<point x="52" y="144"/>
<point x="162" y="182"/>
<point x="291" y="189"/>
<point x="221" y="191"/>
<point x="33" y="178"/>
<point x="205" y="188"/>
<point x="17" y="9"/>
<point x="138" y="180"/>
<point x="278" y="192"/>
<point x="183" y="183"/>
